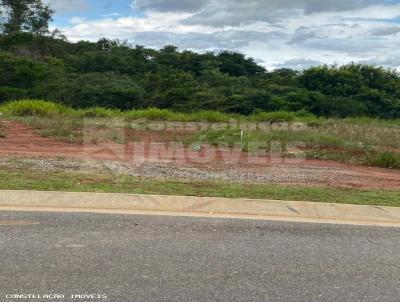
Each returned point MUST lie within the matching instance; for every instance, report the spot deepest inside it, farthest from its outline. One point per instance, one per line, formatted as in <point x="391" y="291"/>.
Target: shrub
<point x="209" y="116"/>
<point x="304" y="113"/>
<point x="277" y="116"/>
<point x="385" y="159"/>
<point x="99" y="112"/>
<point x="154" y="114"/>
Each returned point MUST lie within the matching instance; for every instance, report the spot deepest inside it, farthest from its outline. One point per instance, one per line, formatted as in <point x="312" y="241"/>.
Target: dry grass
<point x="338" y="140"/>
<point x="3" y="130"/>
<point x="360" y="140"/>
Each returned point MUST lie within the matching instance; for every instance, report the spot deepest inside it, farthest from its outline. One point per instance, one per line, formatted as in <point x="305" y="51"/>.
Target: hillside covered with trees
<point x="37" y="64"/>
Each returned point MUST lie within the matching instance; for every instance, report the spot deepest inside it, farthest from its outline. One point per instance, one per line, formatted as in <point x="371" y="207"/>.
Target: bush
<point x="99" y="112"/>
<point x="154" y="114"/>
<point x="305" y="113"/>
<point x="35" y="108"/>
<point x="385" y="159"/>
<point x="11" y="93"/>
<point x="277" y="116"/>
<point x="210" y="116"/>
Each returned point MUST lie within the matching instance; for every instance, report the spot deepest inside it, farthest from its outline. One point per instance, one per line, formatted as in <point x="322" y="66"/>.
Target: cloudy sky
<point x="277" y="33"/>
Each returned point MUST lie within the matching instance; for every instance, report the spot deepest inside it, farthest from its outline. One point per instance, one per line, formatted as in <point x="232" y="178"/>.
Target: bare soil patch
<point x="161" y="154"/>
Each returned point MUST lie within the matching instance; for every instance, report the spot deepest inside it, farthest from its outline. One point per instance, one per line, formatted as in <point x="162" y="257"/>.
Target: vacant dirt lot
<point x="161" y="154"/>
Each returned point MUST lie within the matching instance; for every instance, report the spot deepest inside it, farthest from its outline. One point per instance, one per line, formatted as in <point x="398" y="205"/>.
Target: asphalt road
<point x="154" y="258"/>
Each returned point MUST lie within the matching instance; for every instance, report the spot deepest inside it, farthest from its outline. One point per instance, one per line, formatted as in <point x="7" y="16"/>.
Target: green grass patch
<point x="211" y="116"/>
<point x="386" y="159"/>
<point x="154" y="114"/>
<point x="35" y="108"/>
<point x="2" y="130"/>
<point x="262" y="140"/>
<point x="79" y="182"/>
<point x="41" y="108"/>
<point x="375" y="122"/>
<point x="278" y="116"/>
<point x="98" y="112"/>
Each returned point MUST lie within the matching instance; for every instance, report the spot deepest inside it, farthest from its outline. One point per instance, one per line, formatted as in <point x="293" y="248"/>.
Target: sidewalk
<point x="200" y="207"/>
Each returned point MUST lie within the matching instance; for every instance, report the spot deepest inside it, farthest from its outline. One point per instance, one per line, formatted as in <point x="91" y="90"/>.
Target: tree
<point x="25" y="16"/>
<point x="113" y="74"/>
<point x="106" y="89"/>
<point x="236" y="64"/>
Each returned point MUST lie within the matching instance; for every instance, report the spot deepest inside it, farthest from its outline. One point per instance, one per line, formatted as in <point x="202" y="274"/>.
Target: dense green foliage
<point x="112" y="74"/>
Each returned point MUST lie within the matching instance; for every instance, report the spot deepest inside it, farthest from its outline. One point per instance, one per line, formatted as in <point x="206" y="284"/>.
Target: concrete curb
<point x="200" y="207"/>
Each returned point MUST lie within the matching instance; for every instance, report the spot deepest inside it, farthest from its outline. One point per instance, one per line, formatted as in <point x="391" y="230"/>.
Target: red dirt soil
<point x="158" y="147"/>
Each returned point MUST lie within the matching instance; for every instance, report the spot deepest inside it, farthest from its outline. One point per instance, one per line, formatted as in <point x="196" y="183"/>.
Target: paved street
<point x="155" y="258"/>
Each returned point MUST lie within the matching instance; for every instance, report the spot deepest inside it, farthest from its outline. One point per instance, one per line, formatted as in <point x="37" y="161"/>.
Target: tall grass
<point x="261" y="140"/>
<point x="154" y="114"/>
<point x="62" y="129"/>
<point x="35" y="108"/>
<point x="358" y="144"/>
<point x="386" y="159"/>
<point x="211" y="116"/>
<point x="2" y="130"/>
<point x="41" y="108"/>
<point x="98" y="112"/>
<point x="371" y="141"/>
<point x="278" y="116"/>
<point x="370" y="121"/>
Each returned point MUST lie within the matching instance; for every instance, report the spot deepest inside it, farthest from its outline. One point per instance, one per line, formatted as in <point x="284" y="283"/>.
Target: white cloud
<point x="77" y="20"/>
<point x="295" y="33"/>
<point x="233" y="12"/>
<point x="63" y="6"/>
<point x="386" y="31"/>
<point x="169" y="5"/>
<point x="111" y="15"/>
<point x="299" y="64"/>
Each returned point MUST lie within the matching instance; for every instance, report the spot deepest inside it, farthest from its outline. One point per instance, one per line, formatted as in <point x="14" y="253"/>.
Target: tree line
<point x="35" y="63"/>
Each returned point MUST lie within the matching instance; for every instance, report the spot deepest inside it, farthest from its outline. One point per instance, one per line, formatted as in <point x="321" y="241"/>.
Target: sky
<point x="276" y="33"/>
